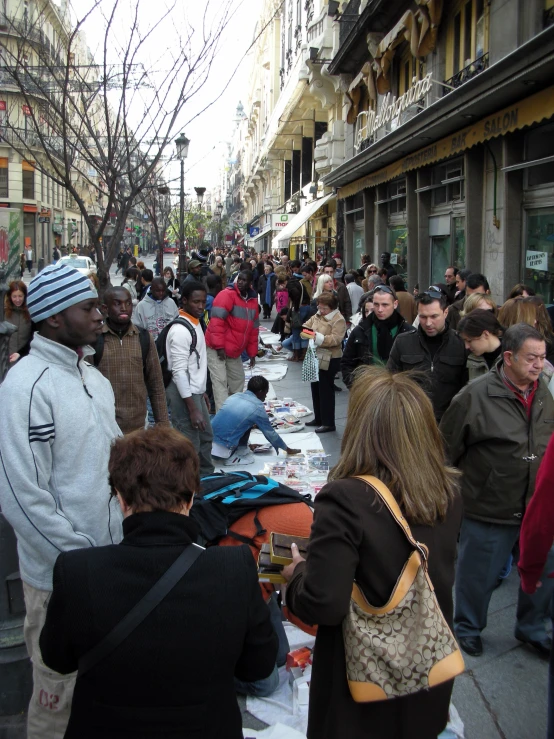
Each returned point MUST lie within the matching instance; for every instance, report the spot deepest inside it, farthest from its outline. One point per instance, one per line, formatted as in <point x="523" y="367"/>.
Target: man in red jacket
<point x="535" y="549"/>
<point x="233" y="329"/>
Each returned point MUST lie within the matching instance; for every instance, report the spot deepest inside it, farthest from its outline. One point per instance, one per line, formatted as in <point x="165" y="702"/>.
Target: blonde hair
<point x="472" y="302"/>
<point x="391" y="433"/>
<point x="321" y="281"/>
<point x="527" y="310"/>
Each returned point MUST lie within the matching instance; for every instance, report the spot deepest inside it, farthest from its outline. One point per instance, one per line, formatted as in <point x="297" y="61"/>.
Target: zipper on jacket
<point x="83" y="379"/>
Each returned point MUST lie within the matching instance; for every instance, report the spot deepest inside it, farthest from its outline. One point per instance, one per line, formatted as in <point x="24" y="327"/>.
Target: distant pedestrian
<point x="127" y="357"/>
<point x="406" y="303"/>
<point x="354" y="290"/>
<point x="233" y="329"/>
<point x="186" y="358"/>
<point x="156" y="310"/>
<point x="22" y="264"/>
<point x="58" y="424"/>
<point x="55" y="255"/>
<point x="17" y="313"/>
<point x="146" y="277"/>
<point x="29" y="258"/>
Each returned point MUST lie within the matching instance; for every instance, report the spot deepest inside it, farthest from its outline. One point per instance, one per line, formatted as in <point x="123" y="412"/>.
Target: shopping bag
<point x="310" y="365"/>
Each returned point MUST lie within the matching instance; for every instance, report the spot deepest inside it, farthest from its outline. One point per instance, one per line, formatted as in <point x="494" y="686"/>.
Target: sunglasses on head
<point x="372" y="271"/>
<point x="433" y="292"/>
<point x="383" y="289"/>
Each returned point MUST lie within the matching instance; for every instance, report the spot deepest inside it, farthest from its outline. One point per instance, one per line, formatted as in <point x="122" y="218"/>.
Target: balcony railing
<point x="467" y="73"/>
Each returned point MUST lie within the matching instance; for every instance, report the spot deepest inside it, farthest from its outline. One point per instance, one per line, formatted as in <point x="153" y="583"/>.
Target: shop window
<point x="4" y="177"/>
<point x="397" y="245"/>
<point x="467" y="42"/>
<point x="448" y="182"/>
<point x="448" y="244"/>
<point x="539" y="144"/>
<point x="28" y="175"/>
<point x="539" y="252"/>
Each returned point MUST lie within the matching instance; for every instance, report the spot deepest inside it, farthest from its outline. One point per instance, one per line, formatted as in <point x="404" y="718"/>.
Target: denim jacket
<point x="237" y="416"/>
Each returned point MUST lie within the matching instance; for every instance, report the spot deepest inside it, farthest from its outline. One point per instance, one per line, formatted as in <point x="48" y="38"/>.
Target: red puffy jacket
<point x="234" y="323"/>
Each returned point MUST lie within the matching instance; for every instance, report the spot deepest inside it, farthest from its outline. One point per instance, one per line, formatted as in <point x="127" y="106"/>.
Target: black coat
<point x="355" y="537"/>
<point x="262" y="284"/>
<point x="358" y="348"/>
<point x="444" y="375"/>
<point x="173" y="676"/>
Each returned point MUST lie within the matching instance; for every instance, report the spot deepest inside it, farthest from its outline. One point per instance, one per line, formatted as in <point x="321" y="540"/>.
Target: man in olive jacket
<point x="496" y="431"/>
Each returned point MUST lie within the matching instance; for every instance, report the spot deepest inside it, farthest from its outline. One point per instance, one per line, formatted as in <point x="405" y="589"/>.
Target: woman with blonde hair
<point x="324" y="284"/>
<point x="355" y="538"/>
<point x="531" y="311"/>
<point x="372" y="269"/>
<point x="478" y="301"/>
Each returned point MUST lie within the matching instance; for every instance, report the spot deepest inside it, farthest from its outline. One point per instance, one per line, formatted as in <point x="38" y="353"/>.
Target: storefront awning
<point x="532" y="110"/>
<point x="282" y="239"/>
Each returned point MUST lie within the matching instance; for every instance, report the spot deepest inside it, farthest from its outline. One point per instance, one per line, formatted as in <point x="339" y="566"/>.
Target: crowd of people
<point x="118" y="409"/>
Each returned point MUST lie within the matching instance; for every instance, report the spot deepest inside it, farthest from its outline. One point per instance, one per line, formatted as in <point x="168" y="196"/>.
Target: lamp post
<point x="182" y="146"/>
<point x="218" y="214"/>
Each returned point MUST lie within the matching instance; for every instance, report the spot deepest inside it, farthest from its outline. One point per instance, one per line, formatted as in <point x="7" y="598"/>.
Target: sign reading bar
<point x="279" y="221"/>
<point x="524" y="113"/>
<point x="536" y="260"/>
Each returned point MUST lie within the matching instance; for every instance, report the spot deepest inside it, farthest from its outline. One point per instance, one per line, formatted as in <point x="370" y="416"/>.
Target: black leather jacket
<point x="446" y="372"/>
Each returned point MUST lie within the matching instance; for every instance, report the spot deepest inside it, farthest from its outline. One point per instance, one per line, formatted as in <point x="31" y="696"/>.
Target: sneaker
<point x="237" y="461"/>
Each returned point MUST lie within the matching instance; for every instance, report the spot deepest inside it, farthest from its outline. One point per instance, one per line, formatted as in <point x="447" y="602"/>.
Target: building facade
<point x="448" y="129"/>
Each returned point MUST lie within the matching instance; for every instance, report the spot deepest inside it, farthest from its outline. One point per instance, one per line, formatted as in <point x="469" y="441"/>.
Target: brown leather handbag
<point x="406" y="645"/>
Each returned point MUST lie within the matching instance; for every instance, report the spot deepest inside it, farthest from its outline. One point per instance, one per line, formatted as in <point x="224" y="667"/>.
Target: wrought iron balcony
<point x="467" y="73"/>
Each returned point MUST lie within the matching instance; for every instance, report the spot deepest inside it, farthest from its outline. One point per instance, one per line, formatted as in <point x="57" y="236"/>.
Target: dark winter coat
<point x="262" y="285"/>
<point x="490" y="438"/>
<point x="445" y="373"/>
<point x="358" y="348"/>
<point x="173" y="676"/>
<point x="354" y="537"/>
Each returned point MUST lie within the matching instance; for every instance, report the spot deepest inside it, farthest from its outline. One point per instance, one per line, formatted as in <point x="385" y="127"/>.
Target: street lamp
<point x="182" y="147"/>
<point x="199" y="197"/>
<point x="219" y="213"/>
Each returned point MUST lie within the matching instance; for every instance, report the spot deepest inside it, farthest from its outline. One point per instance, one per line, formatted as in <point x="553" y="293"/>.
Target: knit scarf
<point x="383" y="334"/>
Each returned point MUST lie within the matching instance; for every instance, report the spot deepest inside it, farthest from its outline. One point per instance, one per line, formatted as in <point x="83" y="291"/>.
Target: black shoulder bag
<point x="140" y="611"/>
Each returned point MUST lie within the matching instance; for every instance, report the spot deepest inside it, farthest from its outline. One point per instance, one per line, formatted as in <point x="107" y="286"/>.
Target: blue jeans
<point x="268" y="685"/>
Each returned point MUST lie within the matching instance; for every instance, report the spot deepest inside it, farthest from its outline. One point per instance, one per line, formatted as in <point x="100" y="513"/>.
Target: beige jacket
<point x="330" y="331"/>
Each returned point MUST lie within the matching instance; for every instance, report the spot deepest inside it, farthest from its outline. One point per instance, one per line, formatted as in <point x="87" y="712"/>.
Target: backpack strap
<point x="144" y="338"/>
<point x="389" y="500"/>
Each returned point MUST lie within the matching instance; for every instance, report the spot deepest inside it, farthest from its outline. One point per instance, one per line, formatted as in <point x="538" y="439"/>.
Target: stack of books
<point x="277" y="554"/>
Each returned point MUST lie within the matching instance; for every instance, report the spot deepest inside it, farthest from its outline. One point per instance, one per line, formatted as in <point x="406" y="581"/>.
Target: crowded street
<point x="277" y="369"/>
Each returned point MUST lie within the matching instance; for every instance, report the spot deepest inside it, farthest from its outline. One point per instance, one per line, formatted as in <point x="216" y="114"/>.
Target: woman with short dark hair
<point x="173" y="675"/>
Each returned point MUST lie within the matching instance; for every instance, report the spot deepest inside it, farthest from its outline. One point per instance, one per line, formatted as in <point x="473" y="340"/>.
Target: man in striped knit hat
<point x="58" y="425"/>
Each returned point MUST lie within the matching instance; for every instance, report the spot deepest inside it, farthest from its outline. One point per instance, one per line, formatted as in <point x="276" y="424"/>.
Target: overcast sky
<point x="215" y="125"/>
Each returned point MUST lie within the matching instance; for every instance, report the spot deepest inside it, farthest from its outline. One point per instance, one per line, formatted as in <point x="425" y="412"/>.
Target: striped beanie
<point x="56" y="288"/>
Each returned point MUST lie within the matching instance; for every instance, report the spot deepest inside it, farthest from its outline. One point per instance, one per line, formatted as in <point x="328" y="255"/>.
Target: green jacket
<point x="490" y="439"/>
<point x="476" y="367"/>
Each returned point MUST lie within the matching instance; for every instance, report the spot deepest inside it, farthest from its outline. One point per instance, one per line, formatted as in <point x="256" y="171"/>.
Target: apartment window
<point x="396" y="195"/>
<point x="28" y="172"/>
<point x="539" y="144"/>
<point x="3" y="177"/>
<point x="467" y="37"/>
<point x="448" y="182"/>
<point x="408" y="68"/>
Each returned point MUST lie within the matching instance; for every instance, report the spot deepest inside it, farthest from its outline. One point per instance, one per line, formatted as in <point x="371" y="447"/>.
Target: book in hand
<point x="279" y="547"/>
<point x="267" y="571"/>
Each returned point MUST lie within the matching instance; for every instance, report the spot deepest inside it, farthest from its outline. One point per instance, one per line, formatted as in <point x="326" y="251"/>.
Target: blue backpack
<point x="225" y="497"/>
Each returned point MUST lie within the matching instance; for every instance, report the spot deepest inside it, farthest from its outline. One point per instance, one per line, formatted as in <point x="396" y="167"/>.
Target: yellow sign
<point x="531" y="110"/>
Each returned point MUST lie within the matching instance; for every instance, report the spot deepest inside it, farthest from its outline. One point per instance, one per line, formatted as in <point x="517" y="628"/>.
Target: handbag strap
<point x="140" y="611"/>
<point x="390" y="501"/>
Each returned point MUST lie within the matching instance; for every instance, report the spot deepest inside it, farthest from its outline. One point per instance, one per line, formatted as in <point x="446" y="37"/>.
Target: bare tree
<point x="99" y="126"/>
